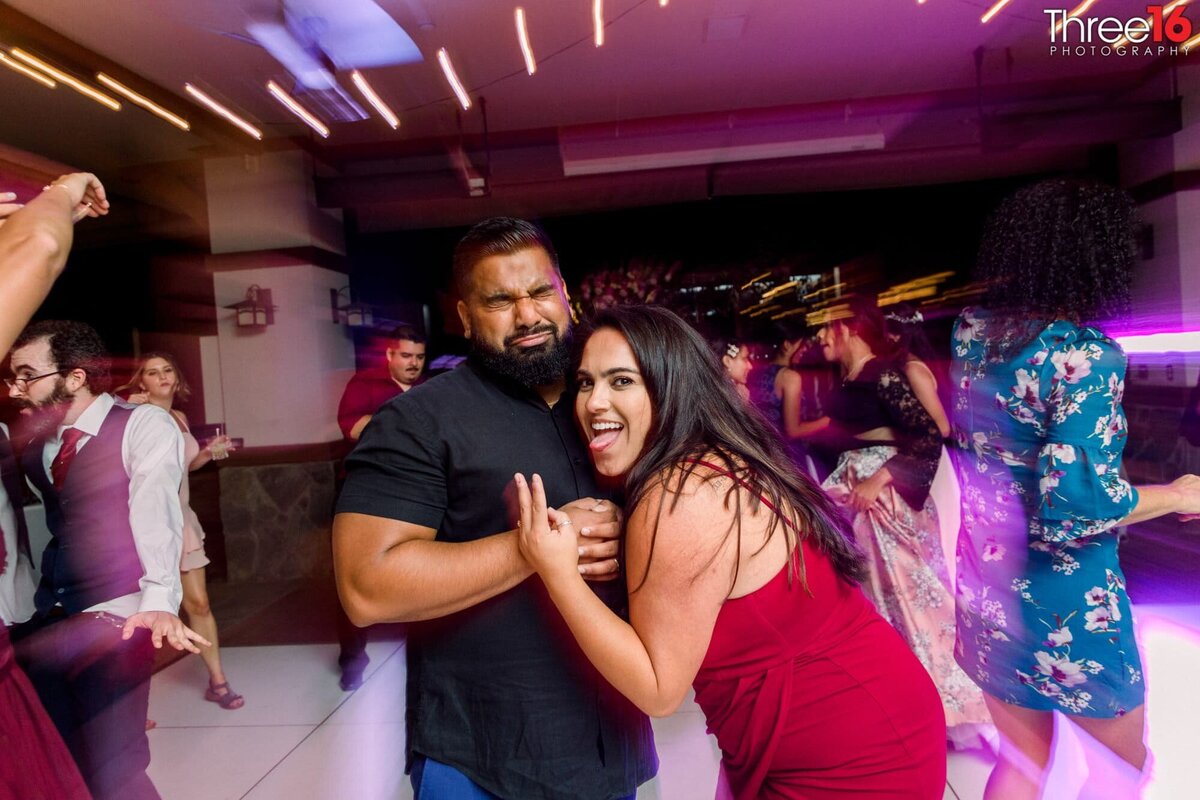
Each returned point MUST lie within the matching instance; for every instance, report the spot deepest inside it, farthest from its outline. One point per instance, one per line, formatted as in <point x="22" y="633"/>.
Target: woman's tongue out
<point x="604" y="438"/>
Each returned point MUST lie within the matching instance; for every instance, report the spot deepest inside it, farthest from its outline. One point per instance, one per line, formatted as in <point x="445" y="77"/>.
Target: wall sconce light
<point x="355" y="315"/>
<point x="256" y="310"/>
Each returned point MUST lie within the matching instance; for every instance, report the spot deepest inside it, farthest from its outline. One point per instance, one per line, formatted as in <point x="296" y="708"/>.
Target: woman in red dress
<point x="743" y="582"/>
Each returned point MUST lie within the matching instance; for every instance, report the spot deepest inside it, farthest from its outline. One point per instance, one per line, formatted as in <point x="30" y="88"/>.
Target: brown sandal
<point x="226" y="701"/>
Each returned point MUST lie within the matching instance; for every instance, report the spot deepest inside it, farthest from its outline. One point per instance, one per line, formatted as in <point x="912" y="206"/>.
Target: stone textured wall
<point x="277" y="520"/>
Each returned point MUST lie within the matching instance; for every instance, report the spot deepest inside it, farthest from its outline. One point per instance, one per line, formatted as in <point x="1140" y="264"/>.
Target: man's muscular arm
<point x="393" y="571"/>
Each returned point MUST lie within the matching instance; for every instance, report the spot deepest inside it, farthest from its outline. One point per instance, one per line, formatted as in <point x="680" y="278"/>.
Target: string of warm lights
<point x="47" y="75"/>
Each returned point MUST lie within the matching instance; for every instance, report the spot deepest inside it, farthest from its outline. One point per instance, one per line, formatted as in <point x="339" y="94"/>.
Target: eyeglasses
<point x="23" y="383"/>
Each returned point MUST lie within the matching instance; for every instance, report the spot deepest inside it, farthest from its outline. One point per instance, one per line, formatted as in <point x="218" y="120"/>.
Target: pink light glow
<point x="1176" y="342"/>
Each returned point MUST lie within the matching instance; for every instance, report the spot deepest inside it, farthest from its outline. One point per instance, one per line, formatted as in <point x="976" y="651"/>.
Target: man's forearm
<point x="421" y="579"/>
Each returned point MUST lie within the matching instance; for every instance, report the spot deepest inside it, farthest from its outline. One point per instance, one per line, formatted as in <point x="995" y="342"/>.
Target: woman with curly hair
<point x="743" y="582"/>
<point x="1043" y="618"/>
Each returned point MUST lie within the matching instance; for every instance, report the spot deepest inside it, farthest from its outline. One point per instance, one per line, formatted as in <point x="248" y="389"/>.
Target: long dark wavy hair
<point x="1059" y="249"/>
<point x="697" y="415"/>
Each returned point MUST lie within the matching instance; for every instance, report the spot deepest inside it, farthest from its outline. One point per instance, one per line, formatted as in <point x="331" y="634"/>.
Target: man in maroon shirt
<point x="370" y="389"/>
<point x="366" y="392"/>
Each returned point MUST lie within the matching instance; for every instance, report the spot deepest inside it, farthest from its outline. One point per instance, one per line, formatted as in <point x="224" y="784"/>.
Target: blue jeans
<point x="433" y="780"/>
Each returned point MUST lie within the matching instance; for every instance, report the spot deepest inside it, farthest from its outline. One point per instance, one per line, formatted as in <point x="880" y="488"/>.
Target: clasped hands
<point x="581" y="538"/>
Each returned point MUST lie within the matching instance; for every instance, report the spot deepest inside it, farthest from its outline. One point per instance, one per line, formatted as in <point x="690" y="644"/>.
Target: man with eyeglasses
<point x="109" y="477"/>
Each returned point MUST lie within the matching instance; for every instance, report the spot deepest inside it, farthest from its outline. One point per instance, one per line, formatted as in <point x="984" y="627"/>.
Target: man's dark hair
<point x="698" y="416"/>
<point x="405" y="332"/>
<point x="494" y="237"/>
<point x="73" y="345"/>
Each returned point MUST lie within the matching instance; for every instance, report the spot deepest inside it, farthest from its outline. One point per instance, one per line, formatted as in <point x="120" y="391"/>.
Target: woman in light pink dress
<point x="158" y="380"/>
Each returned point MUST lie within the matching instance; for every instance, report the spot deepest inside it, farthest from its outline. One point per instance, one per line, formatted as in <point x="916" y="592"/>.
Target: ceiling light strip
<point x="62" y="77"/>
<point x="523" y="38"/>
<point x="222" y="111"/>
<point x="452" y="78"/>
<point x="300" y="111"/>
<point x="993" y="11"/>
<point x="144" y="102"/>
<point x="375" y="100"/>
<point x="26" y="71"/>
<point x="598" y="21"/>
<point x="1077" y="11"/>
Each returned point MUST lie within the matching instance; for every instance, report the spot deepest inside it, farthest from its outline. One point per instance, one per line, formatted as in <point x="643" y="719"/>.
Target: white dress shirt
<point x="16" y="575"/>
<point x="152" y="453"/>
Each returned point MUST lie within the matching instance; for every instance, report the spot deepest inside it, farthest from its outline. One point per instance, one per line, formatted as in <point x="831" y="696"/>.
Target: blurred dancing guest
<point x="500" y="702"/>
<point x="735" y="358"/>
<point x="890" y="447"/>
<point x="109" y="478"/>
<point x="367" y="391"/>
<point x="775" y="386"/>
<point x="923" y="368"/>
<point x="159" y="381"/>
<point x="34" y="243"/>
<point x="743" y="582"/>
<point x="1044" y="620"/>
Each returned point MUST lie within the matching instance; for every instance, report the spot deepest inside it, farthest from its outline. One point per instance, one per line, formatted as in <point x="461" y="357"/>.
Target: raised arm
<point x="34" y="243"/>
<point x="653" y="659"/>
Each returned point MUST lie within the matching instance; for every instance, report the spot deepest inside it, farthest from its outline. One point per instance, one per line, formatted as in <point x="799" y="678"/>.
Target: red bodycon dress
<point x="815" y="696"/>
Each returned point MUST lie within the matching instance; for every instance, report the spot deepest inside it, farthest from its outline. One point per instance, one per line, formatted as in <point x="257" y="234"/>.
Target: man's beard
<point x="530" y="367"/>
<point x="49" y="413"/>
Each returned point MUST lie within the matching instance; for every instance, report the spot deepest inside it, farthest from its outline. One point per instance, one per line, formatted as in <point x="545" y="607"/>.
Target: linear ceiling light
<point x="993" y="11"/>
<point x="300" y="111"/>
<point x="452" y="77"/>
<point x="523" y="38"/>
<point x="144" y="102"/>
<point x="663" y="3"/>
<point x="62" y="77"/>
<point x="222" y="111"/>
<point x="375" y="100"/>
<point x="598" y="21"/>
<point x="26" y="71"/>
<point x="1077" y="11"/>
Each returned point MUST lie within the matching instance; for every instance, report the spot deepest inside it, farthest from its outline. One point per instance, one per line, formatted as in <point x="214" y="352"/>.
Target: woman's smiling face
<point x="613" y="405"/>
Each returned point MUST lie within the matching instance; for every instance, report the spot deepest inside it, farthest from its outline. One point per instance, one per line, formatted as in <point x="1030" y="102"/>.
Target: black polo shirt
<point x="500" y="690"/>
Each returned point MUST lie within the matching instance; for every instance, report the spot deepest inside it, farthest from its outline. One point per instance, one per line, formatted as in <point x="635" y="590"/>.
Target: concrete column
<point x="277" y="385"/>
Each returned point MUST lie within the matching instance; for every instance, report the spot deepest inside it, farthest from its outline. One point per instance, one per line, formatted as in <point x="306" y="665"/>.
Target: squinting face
<point x="517" y="303"/>
<point x="159" y="378"/>
<point x="405" y="361"/>
<point x="738" y="366"/>
<point x="613" y="405"/>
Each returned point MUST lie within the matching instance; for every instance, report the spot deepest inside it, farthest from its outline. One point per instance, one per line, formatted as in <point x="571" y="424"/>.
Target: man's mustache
<point x="534" y="331"/>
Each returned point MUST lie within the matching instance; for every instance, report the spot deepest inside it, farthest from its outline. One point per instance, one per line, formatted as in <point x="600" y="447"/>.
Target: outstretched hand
<point x="164" y="624"/>
<point x="547" y="537"/>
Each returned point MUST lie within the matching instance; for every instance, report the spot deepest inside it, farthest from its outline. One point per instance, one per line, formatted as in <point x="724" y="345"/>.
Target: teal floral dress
<point x="1042" y="614"/>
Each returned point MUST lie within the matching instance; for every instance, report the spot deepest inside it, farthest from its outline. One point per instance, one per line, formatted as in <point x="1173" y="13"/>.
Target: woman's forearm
<point x="1154" y="502"/>
<point x="613" y="647"/>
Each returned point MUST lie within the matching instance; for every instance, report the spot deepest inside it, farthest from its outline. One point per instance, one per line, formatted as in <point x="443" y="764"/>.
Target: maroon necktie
<point x="66" y="454"/>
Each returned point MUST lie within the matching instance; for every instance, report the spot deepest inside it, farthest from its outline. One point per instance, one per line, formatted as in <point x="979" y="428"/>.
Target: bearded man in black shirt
<point x="501" y="702"/>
